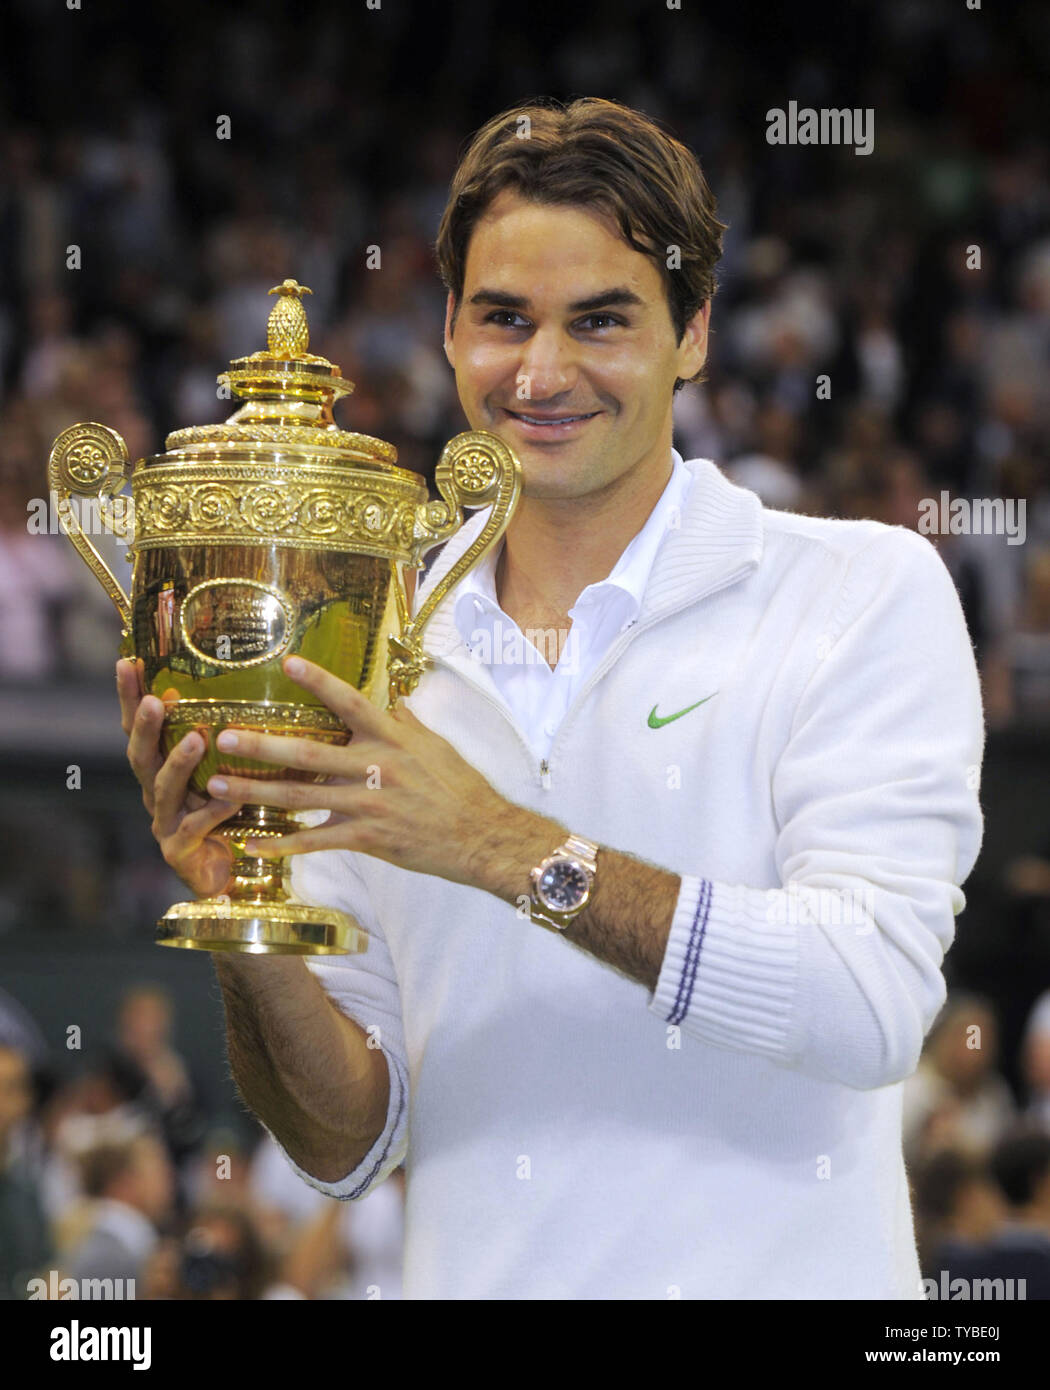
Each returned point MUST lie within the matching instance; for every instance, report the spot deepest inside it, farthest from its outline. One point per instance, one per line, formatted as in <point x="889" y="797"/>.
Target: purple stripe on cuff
<point x="692" y="954"/>
<point x="395" y="1077"/>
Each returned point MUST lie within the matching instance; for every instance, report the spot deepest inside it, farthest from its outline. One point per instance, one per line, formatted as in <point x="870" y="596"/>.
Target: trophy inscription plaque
<point x="272" y="534"/>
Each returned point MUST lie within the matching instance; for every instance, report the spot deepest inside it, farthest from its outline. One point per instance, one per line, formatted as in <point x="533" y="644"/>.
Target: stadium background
<point x="345" y="128"/>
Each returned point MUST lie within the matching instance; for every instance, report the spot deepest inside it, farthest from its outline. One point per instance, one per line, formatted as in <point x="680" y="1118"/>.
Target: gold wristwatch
<point x="561" y="885"/>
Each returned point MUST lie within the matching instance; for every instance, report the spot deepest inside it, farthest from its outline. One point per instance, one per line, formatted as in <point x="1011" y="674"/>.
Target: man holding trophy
<point x="645" y="931"/>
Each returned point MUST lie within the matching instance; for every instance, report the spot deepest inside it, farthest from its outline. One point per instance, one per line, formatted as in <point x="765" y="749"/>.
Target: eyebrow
<point x="619" y="296"/>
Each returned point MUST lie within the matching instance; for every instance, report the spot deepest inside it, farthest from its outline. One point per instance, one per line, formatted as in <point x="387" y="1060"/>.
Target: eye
<point x="498" y="315"/>
<point x="610" y="318"/>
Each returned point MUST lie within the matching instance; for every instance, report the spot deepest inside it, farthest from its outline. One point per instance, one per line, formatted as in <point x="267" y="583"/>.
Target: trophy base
<point x="261" y="929"/>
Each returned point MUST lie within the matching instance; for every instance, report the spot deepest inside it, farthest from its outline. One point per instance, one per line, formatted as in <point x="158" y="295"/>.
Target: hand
<point x="182" y="820"/>
<point x="398" y="791"/>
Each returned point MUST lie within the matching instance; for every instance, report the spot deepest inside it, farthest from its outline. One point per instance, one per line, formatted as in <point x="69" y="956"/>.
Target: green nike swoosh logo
<point x="655" y="722"/>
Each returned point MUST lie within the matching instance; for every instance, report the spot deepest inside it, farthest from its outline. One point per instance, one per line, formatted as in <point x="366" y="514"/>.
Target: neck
<point x="555" y="547"/>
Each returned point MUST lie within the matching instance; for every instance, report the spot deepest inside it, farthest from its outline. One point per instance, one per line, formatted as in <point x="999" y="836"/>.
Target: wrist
<point x="509" y="851"/>
<point x="247" y="968"/>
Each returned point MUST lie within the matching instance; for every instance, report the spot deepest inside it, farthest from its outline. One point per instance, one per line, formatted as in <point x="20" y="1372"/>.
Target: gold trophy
<point x="274" y="534"/>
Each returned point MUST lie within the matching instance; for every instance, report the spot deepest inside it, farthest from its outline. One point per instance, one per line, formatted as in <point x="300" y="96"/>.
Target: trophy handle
<point x="91" y="460"/>
<point x="476" y="468"/>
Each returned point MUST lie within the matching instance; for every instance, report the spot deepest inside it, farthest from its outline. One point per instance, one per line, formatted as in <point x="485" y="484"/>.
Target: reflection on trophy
<point x="274" y="534"/>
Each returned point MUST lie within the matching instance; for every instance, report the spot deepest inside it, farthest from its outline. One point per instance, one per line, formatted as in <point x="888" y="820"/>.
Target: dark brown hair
<point x="604" y="155"/>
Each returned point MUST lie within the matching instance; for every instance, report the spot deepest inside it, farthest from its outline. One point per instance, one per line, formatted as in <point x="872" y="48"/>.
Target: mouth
<point x="548" y="426"/>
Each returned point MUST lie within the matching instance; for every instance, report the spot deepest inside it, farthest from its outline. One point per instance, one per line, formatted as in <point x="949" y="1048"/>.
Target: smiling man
<point x="657" y="916"/>
<point x="566" y="345"/>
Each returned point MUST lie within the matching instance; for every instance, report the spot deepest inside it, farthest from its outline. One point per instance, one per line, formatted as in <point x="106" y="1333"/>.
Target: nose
<point x="548" y="365"/>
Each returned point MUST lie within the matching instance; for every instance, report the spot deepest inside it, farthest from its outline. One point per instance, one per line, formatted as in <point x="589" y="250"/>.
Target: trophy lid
<point x="289" y="394"/>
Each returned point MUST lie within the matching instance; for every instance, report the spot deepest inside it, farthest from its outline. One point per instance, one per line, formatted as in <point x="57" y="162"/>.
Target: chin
<point x="555" y="489"/>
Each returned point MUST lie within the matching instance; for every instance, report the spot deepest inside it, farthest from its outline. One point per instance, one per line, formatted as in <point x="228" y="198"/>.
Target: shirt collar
<point x="719" y="540"/>
<point x="476" y="592"/>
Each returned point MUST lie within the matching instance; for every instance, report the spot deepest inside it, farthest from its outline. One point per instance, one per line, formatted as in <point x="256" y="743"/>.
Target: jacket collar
<point x="718" y="542"/>
<point x="623" y="589"/>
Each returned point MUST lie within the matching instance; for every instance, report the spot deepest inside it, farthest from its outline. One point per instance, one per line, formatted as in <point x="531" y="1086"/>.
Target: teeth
<point x="532" y="420"/>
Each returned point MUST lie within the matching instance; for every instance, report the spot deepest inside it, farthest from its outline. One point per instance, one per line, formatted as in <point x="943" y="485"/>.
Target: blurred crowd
<point x="114" y="1176"/>
<point x="978" y="1158"/>
<point x="881" y="333"/>
<point x="115" y="1172"/>
<point x="915" y="280"/>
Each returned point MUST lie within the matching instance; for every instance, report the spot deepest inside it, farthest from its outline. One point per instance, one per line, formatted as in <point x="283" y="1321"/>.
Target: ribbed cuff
<point x="380" y="1155"/>
<point x="729" y="973"/>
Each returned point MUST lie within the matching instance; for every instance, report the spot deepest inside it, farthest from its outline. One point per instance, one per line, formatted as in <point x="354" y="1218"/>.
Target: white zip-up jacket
<point x="737" y="1133"/>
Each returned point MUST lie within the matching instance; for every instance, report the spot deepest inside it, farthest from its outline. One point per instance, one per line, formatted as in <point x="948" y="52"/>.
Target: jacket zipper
<point x="611" y="655"/>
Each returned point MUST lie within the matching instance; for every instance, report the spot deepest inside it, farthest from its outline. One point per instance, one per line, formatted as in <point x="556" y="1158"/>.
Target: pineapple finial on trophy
<point x="284" y="384"/>
<point x="287" y="332"/>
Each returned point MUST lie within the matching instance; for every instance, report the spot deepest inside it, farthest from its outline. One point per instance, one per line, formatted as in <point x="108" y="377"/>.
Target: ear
<point x="450" y="351"/>
<point x="692" y="352"/>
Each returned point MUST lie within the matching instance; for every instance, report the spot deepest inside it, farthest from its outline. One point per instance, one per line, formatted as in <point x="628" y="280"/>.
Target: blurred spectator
<point x="19" y="1031"/>
<point x="1035" y="1060"/>
<point x="220" y="1172"/>
<point x="51" y="344"/>
<point x="771" y="471"/>
<point x="222" y="1256"/>
<point x="958" y="1207"/>
<point x="36" y="582"/>
<point x="369" y="1232"/>
<point x="131" y="1186"/>
<point x="159" y="1078"/>
<point x="1028" y="646"/>
<point x="25" y="1242"/>
<point x="956" y="1096"/>
<point x="980" y="1224"/>
<point x="1020" y="1164"/>
<point x="96" y="1108"/>
<point x="1021" y="1247"/>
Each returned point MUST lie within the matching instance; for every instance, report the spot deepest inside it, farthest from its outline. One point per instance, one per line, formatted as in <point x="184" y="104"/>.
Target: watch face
<point x="562" y="885"/>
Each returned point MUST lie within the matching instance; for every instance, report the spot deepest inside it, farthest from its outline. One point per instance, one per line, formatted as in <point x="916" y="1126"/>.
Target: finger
<point x="196" y="826"/>
<point x="171" y="784"/>
<point x="128" y="691"/>
<point x="401" y="714"/>
<point x="202" y="862"/>
<point x="332" y="835"/>
<point x="144" y="750"/>
<point x="297" y="796"/>
<point x="355" y="710"/>
<point x="309" y="754"/>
